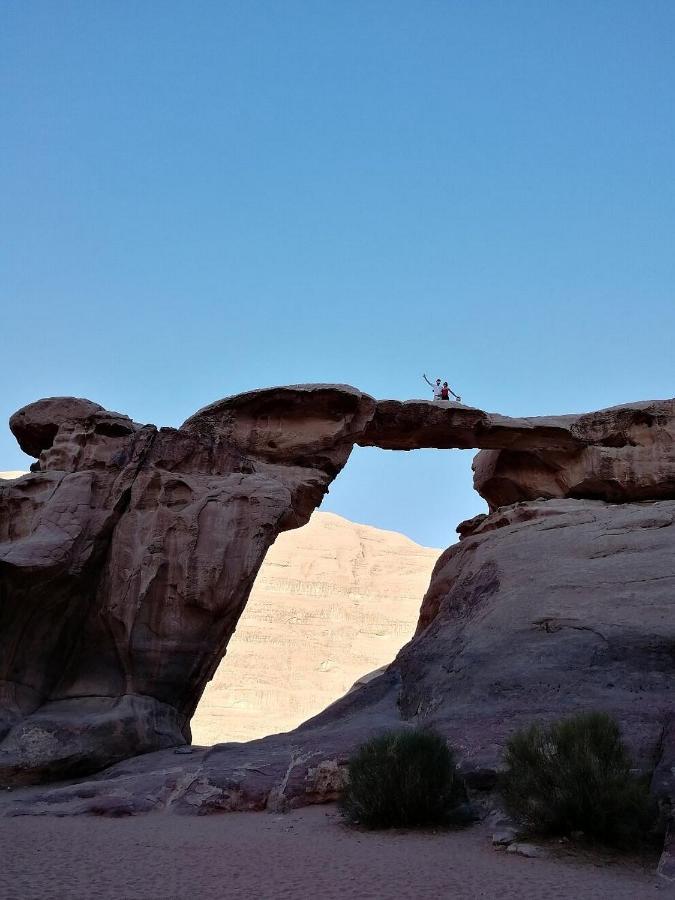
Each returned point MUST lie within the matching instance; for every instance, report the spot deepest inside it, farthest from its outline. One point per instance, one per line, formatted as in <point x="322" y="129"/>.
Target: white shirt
<point x="437" y="391"/>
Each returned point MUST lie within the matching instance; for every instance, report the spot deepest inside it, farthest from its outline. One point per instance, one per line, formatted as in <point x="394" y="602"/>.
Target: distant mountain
<point x="9" y="475"/>
<point x="333" y="601"/>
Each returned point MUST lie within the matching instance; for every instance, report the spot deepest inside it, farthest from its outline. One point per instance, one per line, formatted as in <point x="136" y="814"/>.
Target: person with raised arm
<point x="436" y="388"/>
<point x="441" y="391"/>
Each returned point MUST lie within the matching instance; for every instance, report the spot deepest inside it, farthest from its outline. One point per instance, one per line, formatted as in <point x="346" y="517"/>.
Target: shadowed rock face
<point x="126" y="560"/>
<point x="127" y="557"/>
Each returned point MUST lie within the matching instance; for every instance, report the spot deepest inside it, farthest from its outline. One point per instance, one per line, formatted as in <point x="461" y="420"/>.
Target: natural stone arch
<point x="127" y="556"/>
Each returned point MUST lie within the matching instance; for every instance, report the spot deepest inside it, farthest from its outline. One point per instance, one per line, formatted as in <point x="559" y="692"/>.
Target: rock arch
<point x="127" y="555"/>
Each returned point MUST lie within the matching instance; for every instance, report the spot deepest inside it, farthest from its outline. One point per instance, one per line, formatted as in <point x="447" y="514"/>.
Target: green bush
<point x="575" y="775"/>
<point x="405" y="779"/>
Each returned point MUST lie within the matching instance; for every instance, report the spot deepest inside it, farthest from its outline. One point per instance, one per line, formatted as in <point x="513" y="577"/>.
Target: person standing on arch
<point x="441" y="391"/>
<point x="436" y="388"/>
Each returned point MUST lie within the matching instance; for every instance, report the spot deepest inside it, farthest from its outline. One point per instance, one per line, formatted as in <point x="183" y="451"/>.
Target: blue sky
<point x="202" y="198"/>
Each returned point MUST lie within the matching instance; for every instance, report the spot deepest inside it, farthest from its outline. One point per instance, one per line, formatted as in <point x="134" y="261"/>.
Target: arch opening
<point x="336" y="600"/>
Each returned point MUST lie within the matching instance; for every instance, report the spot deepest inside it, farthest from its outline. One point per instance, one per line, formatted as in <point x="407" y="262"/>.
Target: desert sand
<point x="308" y="853"/>
<point x="332" y="602"/>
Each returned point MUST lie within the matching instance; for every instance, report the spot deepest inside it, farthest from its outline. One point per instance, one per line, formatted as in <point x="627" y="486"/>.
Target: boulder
<point x="35" y="426"/>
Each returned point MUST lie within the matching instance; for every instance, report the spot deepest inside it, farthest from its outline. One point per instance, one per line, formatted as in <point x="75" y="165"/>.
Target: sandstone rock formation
<point x="332" y="602"/>
<point x="625" y="453"/>
<point x="548" y="608"/>
<point x="127" y="557"/>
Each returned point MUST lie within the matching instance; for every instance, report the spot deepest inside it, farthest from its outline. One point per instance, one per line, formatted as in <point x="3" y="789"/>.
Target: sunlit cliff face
<point x="333" y="602"/>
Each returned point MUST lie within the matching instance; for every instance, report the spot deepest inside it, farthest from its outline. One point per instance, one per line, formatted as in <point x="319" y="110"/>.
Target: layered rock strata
<point x="127" y="556"/>
<point x="332" y="602"/>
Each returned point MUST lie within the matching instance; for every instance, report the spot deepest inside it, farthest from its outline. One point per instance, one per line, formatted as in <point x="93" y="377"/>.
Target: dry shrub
<point x="575" y="775"/>
<point x="405" y="778"/>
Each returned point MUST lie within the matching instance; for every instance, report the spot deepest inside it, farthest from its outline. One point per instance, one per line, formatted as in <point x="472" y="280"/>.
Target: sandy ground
<point x="304" y="854"/>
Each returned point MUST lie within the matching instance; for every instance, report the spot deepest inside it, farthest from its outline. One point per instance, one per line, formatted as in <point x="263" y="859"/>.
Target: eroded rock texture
<point x="127" y="557"/>
<point x="624" y="453"/>
<point x="548" y="608"/>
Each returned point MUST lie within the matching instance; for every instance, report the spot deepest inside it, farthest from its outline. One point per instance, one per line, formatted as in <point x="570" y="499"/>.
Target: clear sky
<point x="198" y="198"/>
